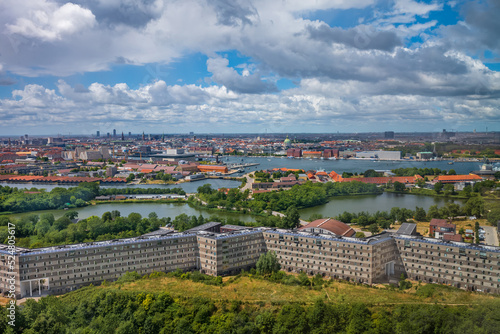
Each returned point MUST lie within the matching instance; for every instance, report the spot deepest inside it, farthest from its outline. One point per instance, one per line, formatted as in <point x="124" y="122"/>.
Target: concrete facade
<point x="379" y="258"/>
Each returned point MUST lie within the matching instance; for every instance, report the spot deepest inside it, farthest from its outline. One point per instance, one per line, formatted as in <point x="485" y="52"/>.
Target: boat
<point x="450" y="163"/>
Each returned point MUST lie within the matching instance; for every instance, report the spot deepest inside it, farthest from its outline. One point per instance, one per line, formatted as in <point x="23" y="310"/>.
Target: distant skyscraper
<point x="130" y="134"/>
<point x="123" y="137"/>
<point x="98" y="134"/>
<point x="389" y="135"/>
<point x="114" y="132"/>
<point x="143" y="138"/>
<point x="109" y="135"/>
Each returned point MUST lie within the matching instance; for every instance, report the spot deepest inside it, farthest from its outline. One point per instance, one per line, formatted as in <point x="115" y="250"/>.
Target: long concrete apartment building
<point x="379" y="258"/>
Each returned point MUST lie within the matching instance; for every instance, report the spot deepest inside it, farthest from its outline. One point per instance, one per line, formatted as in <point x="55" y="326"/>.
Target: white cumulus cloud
<point x="53" y="22"/>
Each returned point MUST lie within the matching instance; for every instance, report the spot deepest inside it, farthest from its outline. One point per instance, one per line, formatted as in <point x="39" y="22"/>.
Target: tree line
<point x="140" y="191"/>
<point x="24" y="200"/>
<point x="475" y="206"/>
<point x="33" y="231"/>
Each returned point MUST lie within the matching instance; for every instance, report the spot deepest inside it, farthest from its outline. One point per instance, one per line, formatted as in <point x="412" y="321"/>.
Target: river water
<point x="349" y="165"/>
<point x="144" y="209"/>
<point x="374" y="203"/>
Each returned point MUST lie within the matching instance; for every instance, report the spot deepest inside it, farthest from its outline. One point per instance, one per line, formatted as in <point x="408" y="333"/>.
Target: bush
<point x="129" y="277"/>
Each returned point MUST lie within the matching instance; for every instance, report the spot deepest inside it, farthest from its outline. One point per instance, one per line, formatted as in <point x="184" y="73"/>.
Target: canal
<point x="336" y="205"/>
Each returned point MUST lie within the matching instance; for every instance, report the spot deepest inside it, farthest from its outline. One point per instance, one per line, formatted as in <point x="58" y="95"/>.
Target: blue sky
<point x="248" y="66"/>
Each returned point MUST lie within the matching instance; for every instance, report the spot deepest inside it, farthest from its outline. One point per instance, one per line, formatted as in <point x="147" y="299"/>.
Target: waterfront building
<point x="294" y="153"/>
<point x="379" y="155"/>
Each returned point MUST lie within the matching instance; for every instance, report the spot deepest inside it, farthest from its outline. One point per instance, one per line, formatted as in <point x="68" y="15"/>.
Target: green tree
<point x="265" y="322"/>
<point x="71" y="214"/>
<point x="130" y="177"/>
<point x="449" y="189"/>
<point x="292" y="218"/>
<point x="438" y="187"/>
<point x="420" y="214"/>
<point x="106" y="216"/>
<point x="398" y="186"/>
<point x="292" y="319"/>
<point x="268" y="264"/>
<point x="373" y="228"/>
<point x="433" y="212"/>
<point x="494" y="215"/>
<point x="370" y="173"/>
<point x="467" y="191"/>
<point x="474" y="207"/>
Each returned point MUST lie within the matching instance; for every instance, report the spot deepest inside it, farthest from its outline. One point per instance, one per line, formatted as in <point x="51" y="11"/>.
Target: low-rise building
<point x="439" y="227"/>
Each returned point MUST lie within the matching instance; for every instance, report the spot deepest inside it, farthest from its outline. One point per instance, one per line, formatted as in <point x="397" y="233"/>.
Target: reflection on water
<point x="337" y="205"/>
<point x="144" y="209"/>
<point x="374" y="203"/>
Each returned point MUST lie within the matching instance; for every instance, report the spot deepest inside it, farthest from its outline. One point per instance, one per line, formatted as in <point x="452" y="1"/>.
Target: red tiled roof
<point x="332" y="225"/>
<point x="440" y="223"/>
<point x="457" y="178"/>
<point x="59" y="179"/>
<point x="452" y="237"/>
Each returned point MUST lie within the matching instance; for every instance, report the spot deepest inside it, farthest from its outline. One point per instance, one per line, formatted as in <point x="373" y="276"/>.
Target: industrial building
<point x="379" y="155"/>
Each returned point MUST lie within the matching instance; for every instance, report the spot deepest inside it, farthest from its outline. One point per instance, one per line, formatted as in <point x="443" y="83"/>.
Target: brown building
<point x="330" y="153"/>
<point x="294" y="152"/>
<point x="439" y="227"/>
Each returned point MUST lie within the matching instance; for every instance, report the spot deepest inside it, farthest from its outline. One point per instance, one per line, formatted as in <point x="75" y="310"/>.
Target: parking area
<point x="490" y="235"/>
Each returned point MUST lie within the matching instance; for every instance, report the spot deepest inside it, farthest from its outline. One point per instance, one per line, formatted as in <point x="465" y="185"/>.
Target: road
<point x="247" y="185"/>
<point x="491" y="236"/>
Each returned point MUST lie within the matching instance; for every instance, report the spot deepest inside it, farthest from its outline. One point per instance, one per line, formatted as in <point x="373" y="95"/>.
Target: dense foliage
<point x="111" y="310"/>
<point x="40" y="231"/>
<point x="473" y="207"/>
<point x="140" y="191"/>
<point x="268" y="263"/>
<point x="22" y="200"/>
<point x="412" y="171"/>
<point x="300" y="196"/>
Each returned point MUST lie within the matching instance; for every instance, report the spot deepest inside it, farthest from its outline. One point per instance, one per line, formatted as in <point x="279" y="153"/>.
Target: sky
<point x="262" y="66"/>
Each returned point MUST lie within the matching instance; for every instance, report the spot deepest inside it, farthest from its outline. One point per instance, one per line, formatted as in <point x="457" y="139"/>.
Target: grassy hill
<point x="246" y="304"/>
<point x="256" y="290"/>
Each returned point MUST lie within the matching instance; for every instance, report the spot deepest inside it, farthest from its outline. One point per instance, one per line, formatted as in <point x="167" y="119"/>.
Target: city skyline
<point x="248" y="66"/>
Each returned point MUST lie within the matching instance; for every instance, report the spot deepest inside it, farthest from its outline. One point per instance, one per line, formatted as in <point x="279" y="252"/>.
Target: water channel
<point x="336" y="205"/>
